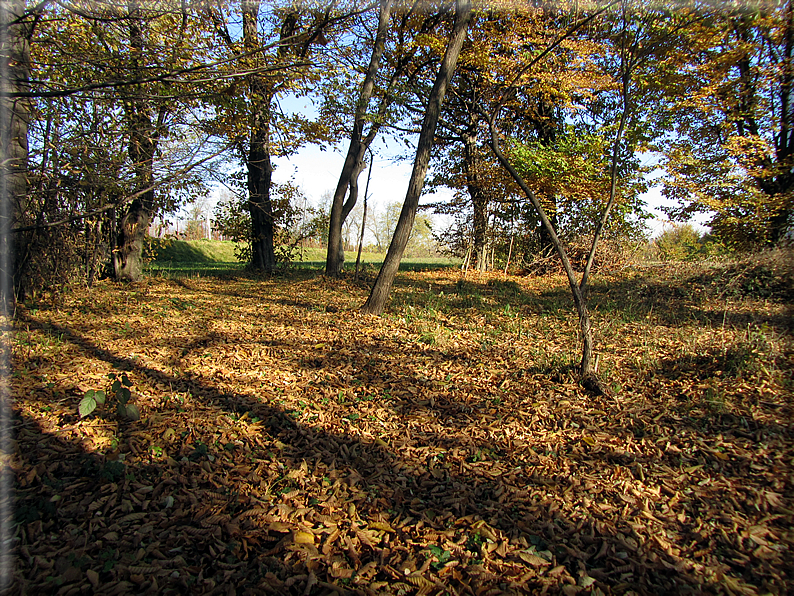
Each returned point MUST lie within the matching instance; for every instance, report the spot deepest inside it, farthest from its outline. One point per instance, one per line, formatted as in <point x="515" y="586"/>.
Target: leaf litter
<point x="290" y="445"/>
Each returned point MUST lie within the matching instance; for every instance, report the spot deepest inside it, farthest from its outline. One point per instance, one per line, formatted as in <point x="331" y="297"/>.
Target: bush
<point x="685" y="243"/>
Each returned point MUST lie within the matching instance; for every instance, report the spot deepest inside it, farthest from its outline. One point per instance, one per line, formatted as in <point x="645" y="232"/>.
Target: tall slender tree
<point x="354" y="160"/>
<point x="376" y="302"/>
<point x="17" y="25"/>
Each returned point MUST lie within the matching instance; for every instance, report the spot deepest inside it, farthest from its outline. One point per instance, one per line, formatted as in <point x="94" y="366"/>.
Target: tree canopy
<point x="122" y="111"/>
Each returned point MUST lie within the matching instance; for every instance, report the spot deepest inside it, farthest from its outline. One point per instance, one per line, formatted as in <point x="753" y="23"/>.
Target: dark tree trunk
<point x="143" y="135"/>
<point x="354" y="161"/>
<point x="258" y="164"/>
<point x="260" y="174"/>
<point x="14" y="146"/>
<point x="479" y="197"/>
<point x="376" y="302"/>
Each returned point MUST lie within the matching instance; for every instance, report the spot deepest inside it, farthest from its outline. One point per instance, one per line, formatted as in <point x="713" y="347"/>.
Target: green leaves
<point x="443" y="556"/>
<point x="89" y="402"/>
<point x="120" y="389"/>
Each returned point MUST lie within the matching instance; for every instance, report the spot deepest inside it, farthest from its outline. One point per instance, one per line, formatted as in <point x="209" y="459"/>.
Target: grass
<point x="192" y="251"/>
<point x="191" y="258"/>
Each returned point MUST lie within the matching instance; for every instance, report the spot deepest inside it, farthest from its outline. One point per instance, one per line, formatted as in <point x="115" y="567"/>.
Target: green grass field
<point x="213" y="257"/>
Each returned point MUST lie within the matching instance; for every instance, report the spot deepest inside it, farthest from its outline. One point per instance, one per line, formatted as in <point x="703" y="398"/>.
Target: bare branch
<point x="123" y="201"/>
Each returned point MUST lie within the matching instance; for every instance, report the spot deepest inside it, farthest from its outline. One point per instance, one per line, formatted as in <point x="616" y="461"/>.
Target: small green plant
<point x="474" y="542"/>
<point x="199" y="451"/>
<point x="118" y="389"/>
<point x="443" y="556"/>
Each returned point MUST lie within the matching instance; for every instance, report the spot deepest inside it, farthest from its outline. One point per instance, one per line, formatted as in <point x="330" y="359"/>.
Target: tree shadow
<point x="223" y="528"/>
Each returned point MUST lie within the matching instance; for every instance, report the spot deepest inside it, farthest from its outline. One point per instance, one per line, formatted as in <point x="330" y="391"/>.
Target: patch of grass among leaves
<point x="287" y="447"/>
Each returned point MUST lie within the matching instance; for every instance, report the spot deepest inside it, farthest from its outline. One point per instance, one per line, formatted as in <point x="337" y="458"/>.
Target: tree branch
<point x="119" y="203"/>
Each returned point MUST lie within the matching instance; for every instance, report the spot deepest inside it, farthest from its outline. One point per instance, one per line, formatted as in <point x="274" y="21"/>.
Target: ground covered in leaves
<point x="289" y="445"/>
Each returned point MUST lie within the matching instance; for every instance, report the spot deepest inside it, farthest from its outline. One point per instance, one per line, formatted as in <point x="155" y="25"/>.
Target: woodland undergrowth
<point x="289" y="445"/>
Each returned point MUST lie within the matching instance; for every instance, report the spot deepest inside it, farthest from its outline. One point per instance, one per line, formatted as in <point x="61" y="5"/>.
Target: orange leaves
<point x="332" y="455"/>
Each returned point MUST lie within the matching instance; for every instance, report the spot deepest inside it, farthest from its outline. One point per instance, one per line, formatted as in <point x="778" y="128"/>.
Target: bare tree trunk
<point x="143" y="138"/>
<point x="260" y="206"/>
<point x="258" y="164"/>
<point x="17" y="29"/>
<point x="380" y="291"/>
<point x="364" y="217"/>
<point x="354" y="161"/>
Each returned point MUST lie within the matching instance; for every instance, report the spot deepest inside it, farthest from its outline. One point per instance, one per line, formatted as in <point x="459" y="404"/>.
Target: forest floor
<point x="289" y="445"/>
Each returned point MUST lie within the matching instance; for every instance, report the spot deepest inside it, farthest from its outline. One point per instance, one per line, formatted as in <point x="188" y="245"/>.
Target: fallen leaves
<point x="285" y="449"/>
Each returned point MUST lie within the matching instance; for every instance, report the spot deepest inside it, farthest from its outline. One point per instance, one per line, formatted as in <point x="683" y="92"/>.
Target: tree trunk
<point x="143" y="136"/>
<point x="260" y="206"/>
<point x="363" y="218"/>
<point x="355" y="153"/>
<point x="258" y="164"/>
<point x="15" y="50"/>
<point x="134" y="225"/>
<point x="478" y="196"/>
<point x="380" y="291"/>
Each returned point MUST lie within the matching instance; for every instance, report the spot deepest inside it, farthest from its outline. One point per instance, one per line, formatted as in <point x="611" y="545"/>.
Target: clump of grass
<point x="765" y="275"/>
<point x="433" y="334"/>
<point x="505" y="288"/>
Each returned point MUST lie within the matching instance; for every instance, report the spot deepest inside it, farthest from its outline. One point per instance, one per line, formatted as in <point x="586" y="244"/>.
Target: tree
<point x="631" y="49"/>
<point x="144" y="128"/>
<point x="678" y="243"/>
<point x="501" y="43"/>
<point x="17" y="29"/>
<point x="383" y="223"/>
<point x="730" y="103"/>
<point x="99" y="143"/>
<point x="399" y="55"/>
<point x="274" y="62"/>
<point x="380" y="291"/>
<point x="198" y="218"/>
<point x="354" y="160"/>
<point x="351" y="229"/>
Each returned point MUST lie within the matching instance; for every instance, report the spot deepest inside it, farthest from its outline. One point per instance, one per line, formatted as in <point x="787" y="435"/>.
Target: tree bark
<point x="260" y="206"/>
<point x="14" y="145"/>
<point x="380" y="291"/>
<point x="258" y="160"/>
<point x="354" y="161"/>
<point x="478" y="196"/>
<point x="143" y="139"/>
